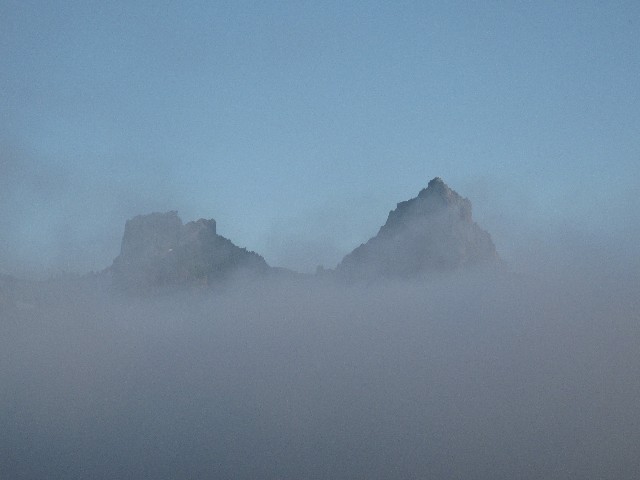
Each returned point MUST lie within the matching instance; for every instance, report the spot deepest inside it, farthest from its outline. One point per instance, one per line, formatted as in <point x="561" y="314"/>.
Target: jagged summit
<point x="436" y="185"/>
<point x="437" y="190"/>
<point x="158" y="250"/>
<point x="437" y="197"/>
<point x="431" y="232"/>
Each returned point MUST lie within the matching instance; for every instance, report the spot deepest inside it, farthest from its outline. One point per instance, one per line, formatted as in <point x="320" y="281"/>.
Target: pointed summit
<point x="437" y="197"/>
<point x="431" y="232"/>
<point x="437" y="188"/>
<point x="436" y="184"/>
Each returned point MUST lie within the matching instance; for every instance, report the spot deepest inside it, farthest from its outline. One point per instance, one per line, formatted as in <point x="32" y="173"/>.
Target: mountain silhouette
<point x="431" y="232"/>
<point x="158" y="250"/>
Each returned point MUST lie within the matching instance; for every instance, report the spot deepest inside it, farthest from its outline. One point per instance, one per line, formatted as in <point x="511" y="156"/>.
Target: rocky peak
<point x="149" y="235"/>
<point x="433" y="231"/>
<point x="439" y="192"/>
<point x="437" y="198"/>
<point x="201" y="230"/>
<point x="157" y="249"/>
<point x="436" y="185"/>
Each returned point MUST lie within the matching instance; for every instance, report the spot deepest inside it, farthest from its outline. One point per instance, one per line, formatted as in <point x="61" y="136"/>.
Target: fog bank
<point x="460" y="376"/>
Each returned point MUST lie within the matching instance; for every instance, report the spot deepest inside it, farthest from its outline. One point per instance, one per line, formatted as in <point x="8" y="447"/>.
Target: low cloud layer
<point x="459" y="376"/>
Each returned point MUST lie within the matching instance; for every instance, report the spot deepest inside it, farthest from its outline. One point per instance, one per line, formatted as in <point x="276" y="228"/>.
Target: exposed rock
<point x="158" y="250"/>
<point x="432" y="232"/>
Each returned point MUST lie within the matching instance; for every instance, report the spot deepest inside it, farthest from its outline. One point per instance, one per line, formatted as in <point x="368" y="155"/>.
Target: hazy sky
<point x="299" y="125"/>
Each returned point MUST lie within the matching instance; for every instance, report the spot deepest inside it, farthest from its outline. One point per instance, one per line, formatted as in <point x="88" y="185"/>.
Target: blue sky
<point x="299" y="125"/>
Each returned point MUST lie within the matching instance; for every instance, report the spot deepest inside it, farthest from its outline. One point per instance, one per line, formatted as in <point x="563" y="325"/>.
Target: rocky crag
<point x="158" y="250"/>
<point x="433" y="232"/>
<point x="430" y="233"/>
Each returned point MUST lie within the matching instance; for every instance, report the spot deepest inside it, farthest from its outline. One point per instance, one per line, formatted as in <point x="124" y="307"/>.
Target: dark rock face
<point x="158" y="250"/>
<point x="432" y="232"/>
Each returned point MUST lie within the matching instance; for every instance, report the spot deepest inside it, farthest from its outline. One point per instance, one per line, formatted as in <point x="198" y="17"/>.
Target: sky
<point x="299" y="125"/>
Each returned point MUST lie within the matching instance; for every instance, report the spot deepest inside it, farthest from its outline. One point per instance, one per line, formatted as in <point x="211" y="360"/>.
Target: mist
<point x="476" y="374"/>
<point x="284" y="133"/>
